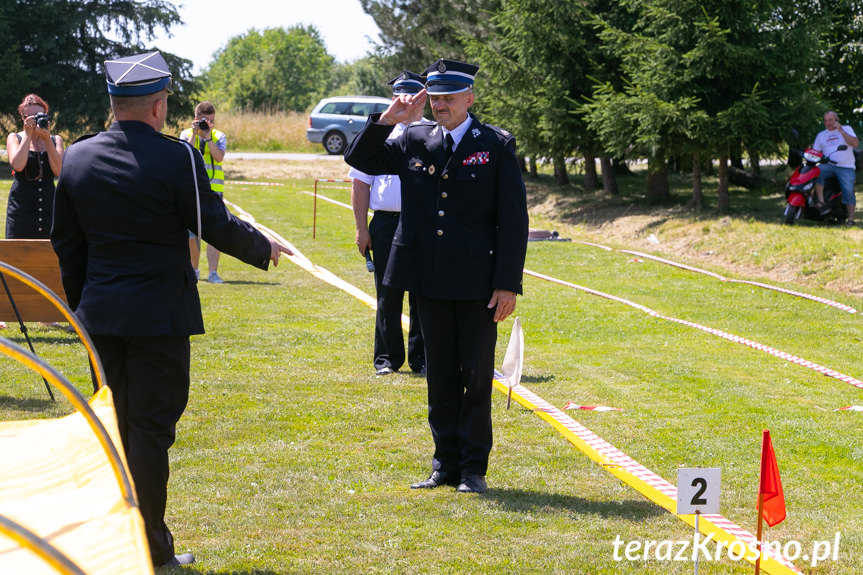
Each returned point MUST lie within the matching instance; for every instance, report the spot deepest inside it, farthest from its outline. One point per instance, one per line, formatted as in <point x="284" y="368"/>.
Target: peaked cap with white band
<point x="407" y="83"/>
<point x="449" y="77"/>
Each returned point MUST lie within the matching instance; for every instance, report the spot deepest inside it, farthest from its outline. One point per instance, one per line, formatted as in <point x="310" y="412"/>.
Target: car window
<point x="335" y="108"/>
<point x="378" y="108"/>
<point x="361" y="109"/>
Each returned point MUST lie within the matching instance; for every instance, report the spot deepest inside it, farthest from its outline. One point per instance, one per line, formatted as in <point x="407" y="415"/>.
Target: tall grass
<point x="261" y="131"/>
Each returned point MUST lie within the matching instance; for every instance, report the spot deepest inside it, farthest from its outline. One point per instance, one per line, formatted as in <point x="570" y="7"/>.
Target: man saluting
<point x="460" y="246"/>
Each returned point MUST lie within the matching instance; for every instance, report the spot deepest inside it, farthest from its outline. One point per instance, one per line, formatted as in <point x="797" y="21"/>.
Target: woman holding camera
<point x="36" y="158"/>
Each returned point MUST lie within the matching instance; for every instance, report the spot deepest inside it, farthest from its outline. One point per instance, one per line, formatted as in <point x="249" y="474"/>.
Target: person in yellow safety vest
<point x="212" y="144"/>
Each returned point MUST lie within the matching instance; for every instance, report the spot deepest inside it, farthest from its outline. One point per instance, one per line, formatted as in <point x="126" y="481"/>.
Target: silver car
<point x="335" y="121"/>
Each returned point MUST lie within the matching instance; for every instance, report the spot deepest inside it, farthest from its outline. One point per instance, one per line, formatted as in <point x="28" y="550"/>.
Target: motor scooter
<point x="800" y="199"/>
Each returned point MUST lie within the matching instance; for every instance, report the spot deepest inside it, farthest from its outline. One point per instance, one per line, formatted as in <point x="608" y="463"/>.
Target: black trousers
<point x="460" y="337"/>
<point x="149" y="378"/>
<point x="389" y="337"/>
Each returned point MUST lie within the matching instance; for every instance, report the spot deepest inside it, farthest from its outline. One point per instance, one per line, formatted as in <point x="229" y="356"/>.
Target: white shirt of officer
<point x="459" y="132"/>
<point x="386" y="190"/>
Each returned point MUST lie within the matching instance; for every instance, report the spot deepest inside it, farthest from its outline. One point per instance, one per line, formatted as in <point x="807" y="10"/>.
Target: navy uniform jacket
<point x="124" y="204"/>
<point x="463" y="227"/>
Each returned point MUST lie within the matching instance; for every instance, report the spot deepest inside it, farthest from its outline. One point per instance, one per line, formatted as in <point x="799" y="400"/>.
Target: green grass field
<point x="293" y="458"/>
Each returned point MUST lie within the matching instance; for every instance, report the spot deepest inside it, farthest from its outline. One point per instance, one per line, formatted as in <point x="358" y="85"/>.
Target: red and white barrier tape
<point x="242" y="183"/>
<point x="616" y="462"/>
<point x="573" y="405"/>
<point x="811" y="297"/>
<point x="639" y="477"/>
<point x="737" y="339"/>
<point x="753" y="344"/>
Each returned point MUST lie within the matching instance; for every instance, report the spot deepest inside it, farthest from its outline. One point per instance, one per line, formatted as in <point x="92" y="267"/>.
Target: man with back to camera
<point x="212" y="144"/>
<point x="383" y="195"/>
<point x="460" y="245"/>
<point x="125" y="203"/>
<point x="827" y="142"/>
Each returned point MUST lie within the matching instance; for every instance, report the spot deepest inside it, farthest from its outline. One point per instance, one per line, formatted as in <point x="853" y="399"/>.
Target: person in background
<point x="36" y="158"/>
<point x="126" y="200"/>
<point x="827" y="142"/>
<point x="383" y="195"/>
<point x="460" y="246"/>
<point x="212" y="144"/>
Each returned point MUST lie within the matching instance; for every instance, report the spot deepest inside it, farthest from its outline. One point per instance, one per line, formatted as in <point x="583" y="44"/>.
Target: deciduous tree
<point x="56" y="48"/>
<point x="276" y="69"/>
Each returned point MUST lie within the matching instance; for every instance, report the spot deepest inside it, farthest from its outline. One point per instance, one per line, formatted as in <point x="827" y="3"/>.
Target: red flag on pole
<point x="773" y="509"/>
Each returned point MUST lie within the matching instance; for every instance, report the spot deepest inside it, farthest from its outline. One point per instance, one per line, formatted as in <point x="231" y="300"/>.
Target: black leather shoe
<point x="180" y="560"/>
<point x="472" y="483"/>
<point x="436" y="479"/>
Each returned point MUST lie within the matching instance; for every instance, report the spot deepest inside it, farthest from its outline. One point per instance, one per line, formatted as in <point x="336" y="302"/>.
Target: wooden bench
<point x="36" y="258"/>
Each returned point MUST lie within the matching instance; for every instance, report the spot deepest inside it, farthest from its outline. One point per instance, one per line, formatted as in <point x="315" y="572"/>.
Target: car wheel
<point x="335" y="143"/>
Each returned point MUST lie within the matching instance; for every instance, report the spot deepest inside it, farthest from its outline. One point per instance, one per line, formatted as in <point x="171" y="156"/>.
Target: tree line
<point x="676" y="82"/>
<point x="56" y="48"/>
<point x="683" y="83"/>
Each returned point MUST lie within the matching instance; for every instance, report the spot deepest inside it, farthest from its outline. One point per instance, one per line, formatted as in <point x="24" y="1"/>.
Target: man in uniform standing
<point x="383" y="195"/>
<point x="460" y="245"/>
<point x="125" y="201"/>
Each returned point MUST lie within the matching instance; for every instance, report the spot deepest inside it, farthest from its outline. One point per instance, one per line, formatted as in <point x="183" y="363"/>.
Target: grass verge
<point x="293" y="458"/>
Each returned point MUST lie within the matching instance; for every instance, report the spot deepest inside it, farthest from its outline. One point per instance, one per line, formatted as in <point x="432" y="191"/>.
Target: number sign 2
<point x="698" y="490"/>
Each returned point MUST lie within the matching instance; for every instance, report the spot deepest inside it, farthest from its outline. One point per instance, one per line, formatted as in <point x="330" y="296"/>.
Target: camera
<point x="42" y="120"/>
<point x="202" y="124"/>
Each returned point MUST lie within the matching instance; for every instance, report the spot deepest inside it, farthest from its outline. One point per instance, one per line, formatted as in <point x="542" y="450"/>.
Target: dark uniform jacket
<point x="463" y="228"/>
<point x="124" y="204"/>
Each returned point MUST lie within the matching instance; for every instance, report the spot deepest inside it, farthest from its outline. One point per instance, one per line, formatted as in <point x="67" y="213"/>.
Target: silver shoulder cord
<point x="197" y="192"/>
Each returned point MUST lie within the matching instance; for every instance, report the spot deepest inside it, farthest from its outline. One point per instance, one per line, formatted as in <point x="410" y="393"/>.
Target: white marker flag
<point x="514" y="358"/>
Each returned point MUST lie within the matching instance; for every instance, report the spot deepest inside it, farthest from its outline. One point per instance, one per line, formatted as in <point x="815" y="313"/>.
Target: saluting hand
<point x="404" y="108"/>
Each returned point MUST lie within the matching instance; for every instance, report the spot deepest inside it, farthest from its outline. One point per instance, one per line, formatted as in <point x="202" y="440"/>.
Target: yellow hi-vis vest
<point x="214" y="169"/>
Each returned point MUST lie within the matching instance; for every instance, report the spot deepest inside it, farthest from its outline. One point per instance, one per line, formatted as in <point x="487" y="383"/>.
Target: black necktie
<point x="450" y="146"/>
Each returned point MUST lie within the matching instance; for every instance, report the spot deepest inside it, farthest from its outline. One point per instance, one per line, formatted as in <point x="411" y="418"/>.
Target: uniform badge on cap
<point x="137" y="75"/>
<point x="449" y="77"/>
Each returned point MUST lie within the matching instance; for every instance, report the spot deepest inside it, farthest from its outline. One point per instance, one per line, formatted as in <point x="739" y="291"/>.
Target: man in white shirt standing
<point x="382" y="194"/>
<point x="828" y="142"/>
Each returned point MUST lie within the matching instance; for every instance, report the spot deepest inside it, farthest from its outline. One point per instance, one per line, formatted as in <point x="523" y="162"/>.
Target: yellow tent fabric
<point x="56" y="481"/>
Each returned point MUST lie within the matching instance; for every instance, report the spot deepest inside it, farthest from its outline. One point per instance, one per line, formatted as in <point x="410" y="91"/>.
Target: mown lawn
<point x="293" y="458"/>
